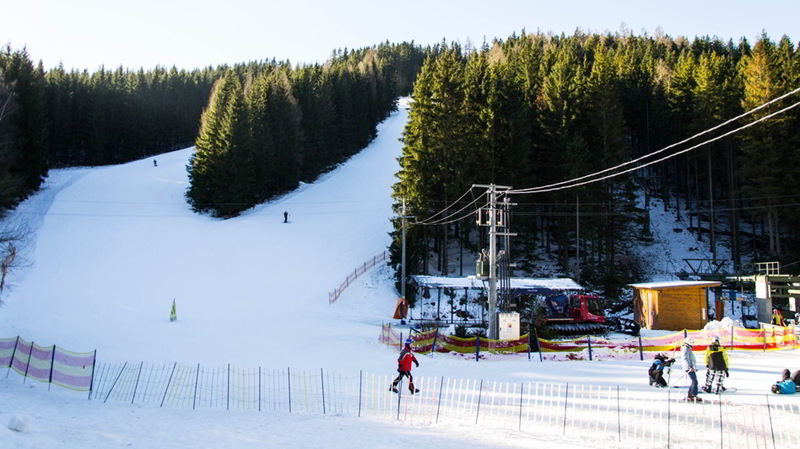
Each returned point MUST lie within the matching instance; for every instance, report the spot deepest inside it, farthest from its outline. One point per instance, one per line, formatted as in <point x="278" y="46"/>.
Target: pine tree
<point x="765" y="147"/>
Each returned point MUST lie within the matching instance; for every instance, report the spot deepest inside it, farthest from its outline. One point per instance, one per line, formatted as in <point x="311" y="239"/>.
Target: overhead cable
<point x="549" y="186"/>
<point x="573" y="184"/>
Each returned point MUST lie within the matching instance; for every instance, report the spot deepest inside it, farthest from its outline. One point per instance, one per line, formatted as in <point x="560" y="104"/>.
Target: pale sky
<point x="196" y="33"/>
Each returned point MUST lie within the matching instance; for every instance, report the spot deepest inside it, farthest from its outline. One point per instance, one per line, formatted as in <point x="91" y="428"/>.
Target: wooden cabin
<point x="672" y="305"/>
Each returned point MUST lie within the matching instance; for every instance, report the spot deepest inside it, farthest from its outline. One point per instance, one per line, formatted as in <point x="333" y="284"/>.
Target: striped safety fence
<point x="50" y="364"/>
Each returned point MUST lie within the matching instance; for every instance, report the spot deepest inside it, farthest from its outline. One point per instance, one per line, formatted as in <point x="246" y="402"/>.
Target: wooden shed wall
<point x="671" y="308"/>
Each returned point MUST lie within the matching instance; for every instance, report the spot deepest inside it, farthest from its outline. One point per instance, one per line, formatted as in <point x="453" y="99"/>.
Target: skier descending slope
<point x="404" y="368"/>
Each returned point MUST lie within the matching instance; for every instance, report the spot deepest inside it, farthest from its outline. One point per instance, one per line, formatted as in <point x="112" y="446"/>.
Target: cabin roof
<point x="675" y="284"/>
<point x="471" y="282"/>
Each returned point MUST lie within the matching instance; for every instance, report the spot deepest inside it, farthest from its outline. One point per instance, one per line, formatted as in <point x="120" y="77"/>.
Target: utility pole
<point x="578" y="237"/>
<point x="403" y="260"/>
<point x="493" y="218"/>
<point x="403" y="263"/>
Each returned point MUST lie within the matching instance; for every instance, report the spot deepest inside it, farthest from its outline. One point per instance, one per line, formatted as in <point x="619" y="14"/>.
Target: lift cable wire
<point x="572" y="183"/>
<point x="446" y="220"/>
<point x="453" y="204"/>
<point x="549" y="187"/>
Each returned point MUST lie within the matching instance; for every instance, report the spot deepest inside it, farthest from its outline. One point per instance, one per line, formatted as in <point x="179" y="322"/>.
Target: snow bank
<point x="20" y="423"/>
<point x="724" y="323"/>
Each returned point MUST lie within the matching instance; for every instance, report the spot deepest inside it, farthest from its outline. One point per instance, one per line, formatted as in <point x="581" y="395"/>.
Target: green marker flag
<point x="173" y="315"/>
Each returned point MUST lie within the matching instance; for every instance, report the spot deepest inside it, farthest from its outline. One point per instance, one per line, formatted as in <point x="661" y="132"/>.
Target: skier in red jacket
<point x="404" y="368"/>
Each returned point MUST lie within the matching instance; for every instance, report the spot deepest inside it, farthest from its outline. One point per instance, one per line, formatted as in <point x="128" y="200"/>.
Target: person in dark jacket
<point x="404" y="368"/>
<point x="656" y="372"/>
<point x="716" y="366"/>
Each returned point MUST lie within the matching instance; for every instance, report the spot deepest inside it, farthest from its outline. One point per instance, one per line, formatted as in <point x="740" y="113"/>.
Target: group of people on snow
<point x="716" y="361"/>
<point x="717" y="366"/>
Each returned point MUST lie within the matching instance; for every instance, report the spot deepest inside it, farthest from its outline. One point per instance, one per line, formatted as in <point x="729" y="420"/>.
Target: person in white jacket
<point x="690" y="366"/>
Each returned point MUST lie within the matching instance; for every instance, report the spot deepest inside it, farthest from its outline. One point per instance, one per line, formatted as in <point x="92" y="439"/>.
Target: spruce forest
<point x="530" y="110"/>
<point x="538" y="109"/>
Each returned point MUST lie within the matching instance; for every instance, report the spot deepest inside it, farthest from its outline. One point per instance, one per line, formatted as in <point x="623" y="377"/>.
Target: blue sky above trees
<point x="197" y="33"/>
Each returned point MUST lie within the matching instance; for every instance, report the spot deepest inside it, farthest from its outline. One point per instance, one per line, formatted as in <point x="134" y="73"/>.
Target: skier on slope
<point x="404" y="368"/>
<point x="716" y="366"/>
<point x="690" y="366"/>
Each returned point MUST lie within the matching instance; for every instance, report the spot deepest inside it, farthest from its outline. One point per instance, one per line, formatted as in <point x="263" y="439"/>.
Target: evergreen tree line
<point x="268" y="127"/>
<point x="58" y="118"/>
<point x="538" y="109"/>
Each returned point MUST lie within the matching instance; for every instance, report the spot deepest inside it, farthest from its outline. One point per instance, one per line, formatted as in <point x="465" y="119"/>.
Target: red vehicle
<point x="583" y="314"/>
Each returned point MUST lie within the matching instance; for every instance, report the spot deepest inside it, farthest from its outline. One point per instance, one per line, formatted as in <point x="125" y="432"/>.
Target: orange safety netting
<point x="765" y="339"/>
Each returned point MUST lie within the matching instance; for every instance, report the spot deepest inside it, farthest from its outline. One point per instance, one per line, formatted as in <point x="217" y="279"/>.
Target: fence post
<point x="115" y="382"/>
<point x="196" y="378"/>
<point x="13" y="353"/>
<point x="477" y="347"/>
<point x="538" y="343"/>
<point x="721" y="433"/>
<point x="669" y="405"/>
<point x="732" y="331"/>
<point x="566" y="398"/>
<point x="360" y="377"/>
<point x="91" y="381"/>
<point x="641" y="350"/>
<point x="259" y="388"/>
<point x="136" y="385"/>
<point x="589" y="340"/>
<point x="322" y="379"/>
<point x="771" y="430"/>
<point x="619" y="419"/>
<point x="529" y="346"/>
<point x="52" y="361"/>
<point x="289" y="376"/>
<point x="399" y="397"/>
<point x="228" y="395"/>
<point x="439" y="405"/>
<point x="30" y="353"/>
<point x="480" y="392"/>
<point x="521" y="397"/>
<point x="168" y="382"/>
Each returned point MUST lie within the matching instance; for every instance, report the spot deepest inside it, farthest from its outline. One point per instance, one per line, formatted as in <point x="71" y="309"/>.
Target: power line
<point x="448" y="207"/>
<point x="549" y="186"/>
<point x="545" y="189"/>
<point x="444" y="220"/>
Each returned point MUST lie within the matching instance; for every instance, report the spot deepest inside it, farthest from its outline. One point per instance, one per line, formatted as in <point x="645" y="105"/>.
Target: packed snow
<point x="113" y="246"/>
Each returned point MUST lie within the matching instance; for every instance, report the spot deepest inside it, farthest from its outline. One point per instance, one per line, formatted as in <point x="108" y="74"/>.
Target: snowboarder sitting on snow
<point x="690" y="366"/>
<point x="716" y="366"/>
<point x="656" y="370"/>
<point x="404" y="368"/>
<point x="786" y="385"/>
